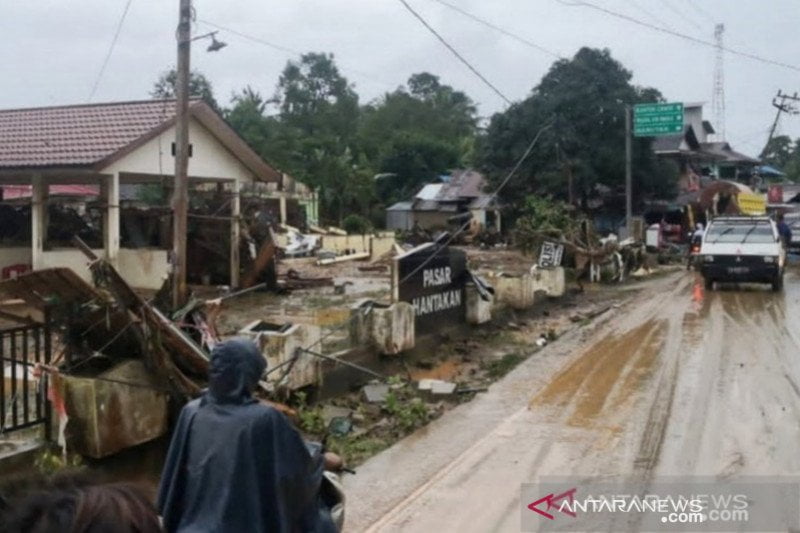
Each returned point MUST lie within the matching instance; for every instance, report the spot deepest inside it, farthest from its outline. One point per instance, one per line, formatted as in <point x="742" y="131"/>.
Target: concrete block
<point x="279" y="343"/>
<point x="516" y="292"/>
<point x="479" y="311"/>
<point x="388" y="329"/>
<point x="108" y="416"/>
<point x="550" y="280"/>
<point x="375" y="393"/>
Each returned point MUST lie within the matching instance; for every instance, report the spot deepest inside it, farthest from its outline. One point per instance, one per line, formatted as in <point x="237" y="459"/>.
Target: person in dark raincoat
<point x="235" y="464"/>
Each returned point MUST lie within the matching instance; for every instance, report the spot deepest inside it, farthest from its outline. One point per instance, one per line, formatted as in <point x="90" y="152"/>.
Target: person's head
<point x="81" y="508"/>
<point x="780" y="217"/>
<point x="699" y="226"/>
<point x="236" y="366"/>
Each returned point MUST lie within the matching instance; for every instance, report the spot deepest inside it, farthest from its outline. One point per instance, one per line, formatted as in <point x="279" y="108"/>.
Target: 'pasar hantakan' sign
<point x="431" y="278"/>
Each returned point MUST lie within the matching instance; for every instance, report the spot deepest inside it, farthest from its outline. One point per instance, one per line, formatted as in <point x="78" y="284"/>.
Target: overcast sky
<point x="53" y="50"/>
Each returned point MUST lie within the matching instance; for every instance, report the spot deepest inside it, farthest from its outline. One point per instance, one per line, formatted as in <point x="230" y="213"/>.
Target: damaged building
<point x="104" y="172"/>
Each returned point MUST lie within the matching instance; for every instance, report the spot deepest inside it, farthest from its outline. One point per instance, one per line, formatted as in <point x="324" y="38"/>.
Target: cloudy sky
<point x="53" y="50"/>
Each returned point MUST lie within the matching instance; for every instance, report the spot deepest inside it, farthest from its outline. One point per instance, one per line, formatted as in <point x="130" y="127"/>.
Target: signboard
<point x="751" y="204"/>
<point x="550" y="255"/>
<point x="652" y="120"/>
<point x="431" y="278"/>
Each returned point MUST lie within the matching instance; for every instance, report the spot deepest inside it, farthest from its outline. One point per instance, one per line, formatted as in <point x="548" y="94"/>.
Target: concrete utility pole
<point x="628" y="172"/>
<point x="779" y="102"/>
<point x="180" y="195"/>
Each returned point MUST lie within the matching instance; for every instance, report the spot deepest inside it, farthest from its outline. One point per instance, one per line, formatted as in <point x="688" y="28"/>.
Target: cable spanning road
<point x="678" y="381"/>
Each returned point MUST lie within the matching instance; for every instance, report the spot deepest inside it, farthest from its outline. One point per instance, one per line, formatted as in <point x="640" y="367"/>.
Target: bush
<point x="356" y="224"/>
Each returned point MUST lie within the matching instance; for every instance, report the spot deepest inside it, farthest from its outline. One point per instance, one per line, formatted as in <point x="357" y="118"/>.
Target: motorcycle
<point x="694" y="252"/>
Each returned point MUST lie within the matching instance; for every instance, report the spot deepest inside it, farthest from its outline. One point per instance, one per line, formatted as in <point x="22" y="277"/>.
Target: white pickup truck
<point x="742" y="249"/>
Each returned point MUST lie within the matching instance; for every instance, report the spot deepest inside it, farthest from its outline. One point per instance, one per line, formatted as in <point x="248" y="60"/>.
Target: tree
<point x="583" y="101"/>
<point x="778" y="152"/>
<point x="199" y="87"/>
<point x="417" y="133"/>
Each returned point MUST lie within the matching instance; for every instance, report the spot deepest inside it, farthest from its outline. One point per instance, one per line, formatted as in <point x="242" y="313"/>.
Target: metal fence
<point x="23" y="396"/>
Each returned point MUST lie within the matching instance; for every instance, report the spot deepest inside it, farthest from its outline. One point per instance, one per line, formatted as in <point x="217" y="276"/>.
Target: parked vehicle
<point x="743" y="249"/>
<point x="793" y="219"/>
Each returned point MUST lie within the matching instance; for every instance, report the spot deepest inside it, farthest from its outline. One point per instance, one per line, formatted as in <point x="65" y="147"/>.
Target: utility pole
<point x="180" y="195"/>
<point x="779" y="102"/>
<point x="628" y="172"/>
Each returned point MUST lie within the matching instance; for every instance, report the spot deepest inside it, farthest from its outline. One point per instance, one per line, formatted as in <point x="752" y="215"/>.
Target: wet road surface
<point x="679" y="381"/>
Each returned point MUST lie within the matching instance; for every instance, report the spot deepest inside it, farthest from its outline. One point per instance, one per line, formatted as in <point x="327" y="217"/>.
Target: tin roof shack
<point x="105" y="147"/>
<point x="697" y="155"/>
<point x="436" y="205"/>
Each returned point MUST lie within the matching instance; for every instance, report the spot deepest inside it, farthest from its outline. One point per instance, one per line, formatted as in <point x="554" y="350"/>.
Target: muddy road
<point x="677" y="381"/>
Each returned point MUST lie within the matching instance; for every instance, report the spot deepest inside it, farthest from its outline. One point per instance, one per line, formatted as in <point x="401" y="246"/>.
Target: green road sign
<point x="651" y="120"/>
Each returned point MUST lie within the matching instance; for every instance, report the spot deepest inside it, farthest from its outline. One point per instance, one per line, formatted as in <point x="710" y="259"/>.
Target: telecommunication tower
<point x="718" y="96"/>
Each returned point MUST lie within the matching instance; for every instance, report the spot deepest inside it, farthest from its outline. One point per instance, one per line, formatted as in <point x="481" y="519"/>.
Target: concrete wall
<point x="209" y="159"/>
<point x="515" y="291"/>
<point x="143" y="268"/>
<point x="69" y="258"/>
<point x="550" y="280"/>
<point x="18" y="255"/>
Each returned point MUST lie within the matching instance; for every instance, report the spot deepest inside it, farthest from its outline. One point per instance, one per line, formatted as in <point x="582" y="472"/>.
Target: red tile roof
<point x="78" y="135"/>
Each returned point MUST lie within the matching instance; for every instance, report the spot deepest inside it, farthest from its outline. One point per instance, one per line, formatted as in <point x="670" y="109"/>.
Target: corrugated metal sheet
<point x="430" y="191"/>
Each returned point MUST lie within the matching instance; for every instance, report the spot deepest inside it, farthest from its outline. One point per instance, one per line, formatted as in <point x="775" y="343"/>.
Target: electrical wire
<point x="110" y="49"/>
<point x="702" y="11"/>
<point x="581" y="3"/>
<point x="504" y="31"/>
<point x="680" y="13"/>
<point x="491" y="197"/>
<point x="455" y="52"/>
<point x="291" y="51"/>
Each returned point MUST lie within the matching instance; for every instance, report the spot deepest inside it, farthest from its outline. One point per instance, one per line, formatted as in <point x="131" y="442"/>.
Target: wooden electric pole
<point x="180" y="195"/>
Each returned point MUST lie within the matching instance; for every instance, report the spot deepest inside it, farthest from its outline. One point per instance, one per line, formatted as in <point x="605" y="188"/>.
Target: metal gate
<point x="23" y="396"/>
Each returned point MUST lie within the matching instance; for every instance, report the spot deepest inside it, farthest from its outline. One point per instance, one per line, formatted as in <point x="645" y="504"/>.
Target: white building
<point x="105" y="146"/>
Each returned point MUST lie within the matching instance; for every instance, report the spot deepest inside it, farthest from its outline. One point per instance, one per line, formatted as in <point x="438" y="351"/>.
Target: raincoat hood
<point x="236" y="367"/>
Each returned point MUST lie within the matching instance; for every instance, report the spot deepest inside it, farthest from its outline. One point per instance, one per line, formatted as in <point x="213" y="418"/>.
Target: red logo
<point x="551" y="500"/>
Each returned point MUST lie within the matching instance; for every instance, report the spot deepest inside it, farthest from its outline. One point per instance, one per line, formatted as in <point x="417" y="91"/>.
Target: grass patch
<point x="356" y="450"/>
<point x="500" y="367"/>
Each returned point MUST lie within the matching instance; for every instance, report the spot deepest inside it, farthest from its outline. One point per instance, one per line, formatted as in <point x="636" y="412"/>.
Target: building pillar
<point x="282" y="202"/>
<point x="38" y="221"/>
<point x="110" y="189"/>
<point x="236" y="206"/>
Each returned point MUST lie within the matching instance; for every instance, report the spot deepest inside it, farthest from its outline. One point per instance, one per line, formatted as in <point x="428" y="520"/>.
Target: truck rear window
<point x="741" y="233"/>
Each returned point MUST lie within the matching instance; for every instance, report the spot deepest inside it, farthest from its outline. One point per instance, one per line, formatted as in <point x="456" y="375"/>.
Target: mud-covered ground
<point x="677" y="381"/>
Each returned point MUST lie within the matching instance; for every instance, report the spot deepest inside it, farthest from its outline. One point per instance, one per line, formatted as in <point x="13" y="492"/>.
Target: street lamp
<point x="180" y="195"/>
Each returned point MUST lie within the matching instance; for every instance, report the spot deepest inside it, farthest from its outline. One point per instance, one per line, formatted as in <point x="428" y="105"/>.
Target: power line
<point x="110" y="49"/>
<point x="650" y="14"/>
<point x="291" y="51"/>
<point x="492" y="196"/>
<point x="455" y="52"/>
<point x="578" y="3"/>
<point x="680" y="13"/>
<point x="701" y="10"/>
<point x="504" y="31"/>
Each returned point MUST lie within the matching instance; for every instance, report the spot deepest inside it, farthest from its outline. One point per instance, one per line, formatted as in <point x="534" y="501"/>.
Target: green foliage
<point x="584" y="100"/>
<point x="49" y="462"/>
<point x="356" y="224"/>
<point x="500" y="367"/>
<point x="409" y="413"/>
<point x="784" y="155"/>
<point x="543" y="217"/>
<point x="199" y="87"/>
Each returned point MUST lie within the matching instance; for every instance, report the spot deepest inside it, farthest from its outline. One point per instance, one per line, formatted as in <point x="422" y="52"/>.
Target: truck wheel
<point x="709" y="283"/>
<point x="777" y="283"/>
